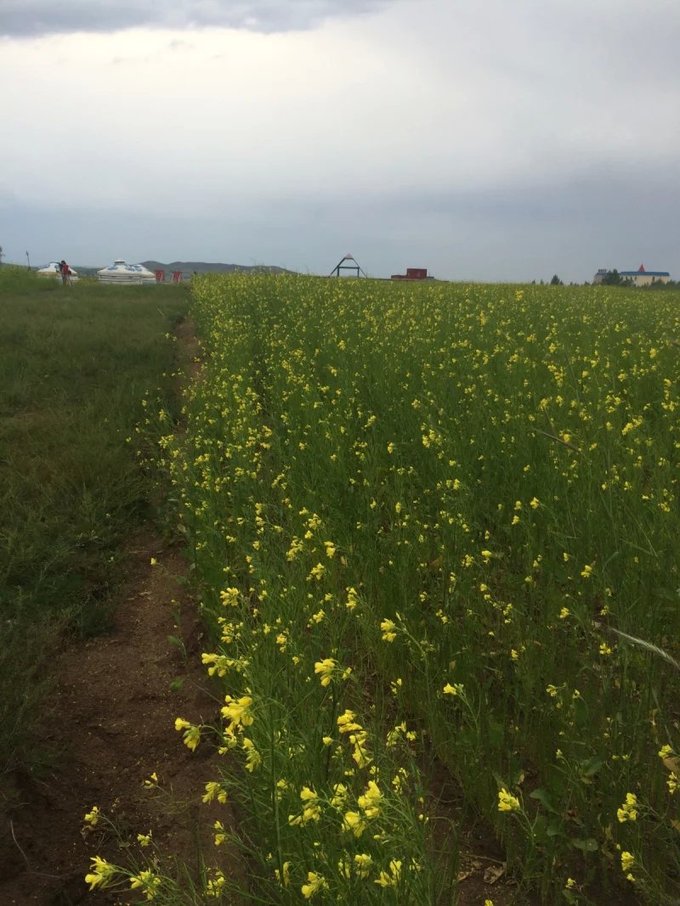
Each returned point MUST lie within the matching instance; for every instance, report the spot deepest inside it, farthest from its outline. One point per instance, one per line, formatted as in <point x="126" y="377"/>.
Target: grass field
<point x="436" y="530"/>
<point x="75" y="367"/>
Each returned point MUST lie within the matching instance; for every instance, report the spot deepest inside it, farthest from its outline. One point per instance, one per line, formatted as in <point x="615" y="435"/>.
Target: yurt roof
<point x="120" y="266"/>
<point x="53" y="268"/>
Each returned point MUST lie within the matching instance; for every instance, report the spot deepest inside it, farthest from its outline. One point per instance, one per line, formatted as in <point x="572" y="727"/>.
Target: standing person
<point x="65" y="272"/>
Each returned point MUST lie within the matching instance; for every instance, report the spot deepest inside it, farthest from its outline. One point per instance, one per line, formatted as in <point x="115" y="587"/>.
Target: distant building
<point x="412" y="273"/>
<point x="124" y="274"/>
<point x="640" y="277"/>
<point x="52" y="270"/>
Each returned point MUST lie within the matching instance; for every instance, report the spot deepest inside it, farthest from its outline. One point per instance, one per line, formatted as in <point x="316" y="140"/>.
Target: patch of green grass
<point x="76" y="365"/>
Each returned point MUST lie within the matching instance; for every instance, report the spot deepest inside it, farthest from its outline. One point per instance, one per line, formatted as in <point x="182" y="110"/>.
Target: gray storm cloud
<point x="33" y="18"/>
<point x="492" y="141"/>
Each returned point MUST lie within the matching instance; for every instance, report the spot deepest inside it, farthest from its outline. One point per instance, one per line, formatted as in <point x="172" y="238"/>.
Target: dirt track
<point x="112" y="718"/>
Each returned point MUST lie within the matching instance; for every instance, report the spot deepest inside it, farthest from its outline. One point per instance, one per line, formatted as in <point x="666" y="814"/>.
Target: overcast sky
<point x="481" y="139"/>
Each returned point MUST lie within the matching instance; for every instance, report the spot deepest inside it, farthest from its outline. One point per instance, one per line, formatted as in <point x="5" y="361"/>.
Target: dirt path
<point x="112" y="717"/>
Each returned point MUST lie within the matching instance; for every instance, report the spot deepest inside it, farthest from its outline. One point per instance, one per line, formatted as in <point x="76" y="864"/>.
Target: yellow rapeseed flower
<point x="215" y="886"/>
<point x="362" y="864"/>
<point x="214" y="790"/>
<point x="354" y="822"/>
<point x="220" y="833"/>
<point x="317" y="572"/>
<point x="360" y="754"/>
<point x="346" y="722"/>
<point x="229" y="597"/>
<point x="507" y="802"/>
<point x="339" y="797"/>
<point x="315" y="884"/>
<point x="389" y="630"/>
<point x="628" y="811"/>
<point x="92" y="817"/>
<point x="627" y="863"/>
<point x="238" y="710"/>
<point x="352" y="599"/>
<point x="370" y="801"/>
<point x="453" y="689"/>
<point x="253" y="757"/>
<point x="283" y="876"/>
<point x="325" y="669"/>
<point x="392" y="878"/>
<point x="192" y="733"/>
<point x="311" y="810"/>
<point x="102" y="873"/>
<point x="146" y="881"/>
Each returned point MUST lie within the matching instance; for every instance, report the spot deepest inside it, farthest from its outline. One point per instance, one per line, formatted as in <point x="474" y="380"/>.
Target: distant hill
<point x="85" y="271"/>
<point x="205" y="267"/>
<point x="190" y="267"/>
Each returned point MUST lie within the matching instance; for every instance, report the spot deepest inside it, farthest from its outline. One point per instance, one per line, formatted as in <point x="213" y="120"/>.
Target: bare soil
<point x="111" y="719"/>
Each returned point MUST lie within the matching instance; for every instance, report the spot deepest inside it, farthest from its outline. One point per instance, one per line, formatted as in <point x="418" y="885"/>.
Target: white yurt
<point x="122" y="273"/>
<point x="52" y="270"/>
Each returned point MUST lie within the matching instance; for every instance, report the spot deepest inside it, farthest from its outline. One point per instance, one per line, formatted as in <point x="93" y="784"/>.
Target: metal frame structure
<point x="341" y="266"/>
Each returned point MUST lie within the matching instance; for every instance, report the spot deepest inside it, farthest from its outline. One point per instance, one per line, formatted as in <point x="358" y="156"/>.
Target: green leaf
<point x="591" y="766"/>
<point x="541" y="796"/>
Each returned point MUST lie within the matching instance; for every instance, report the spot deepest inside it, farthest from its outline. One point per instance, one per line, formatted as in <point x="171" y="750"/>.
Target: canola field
<point x="436" y="529"/>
